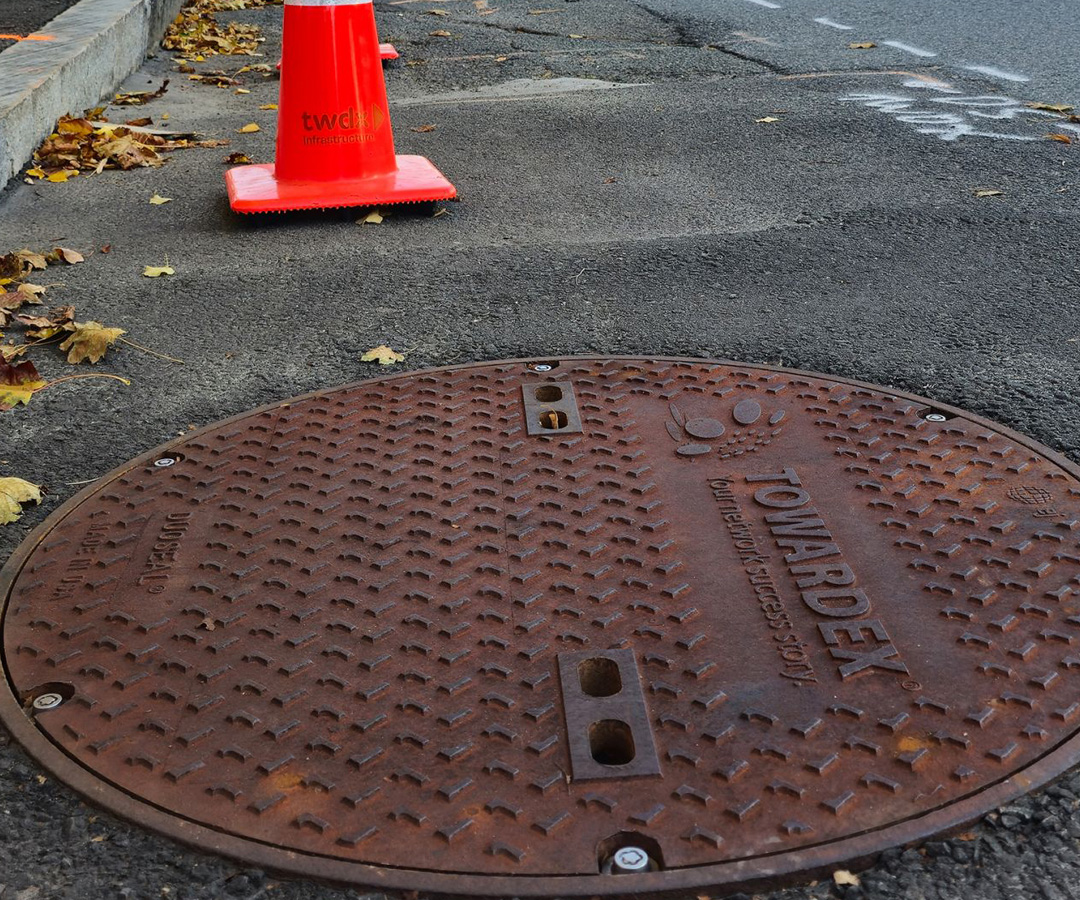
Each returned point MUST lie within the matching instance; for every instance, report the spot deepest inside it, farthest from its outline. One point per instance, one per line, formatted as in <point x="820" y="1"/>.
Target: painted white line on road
<point x="907" y="48"/>
<point x="832" y="24"/>
<point x="766" y="3"/>
<point x="997" y="73"/>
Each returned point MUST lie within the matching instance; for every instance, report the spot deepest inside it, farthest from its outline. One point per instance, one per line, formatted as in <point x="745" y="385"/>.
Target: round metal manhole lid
<point x="606" y="626"/>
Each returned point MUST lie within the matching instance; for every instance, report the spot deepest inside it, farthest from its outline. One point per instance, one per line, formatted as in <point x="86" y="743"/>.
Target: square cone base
<point x="255" y="189"/>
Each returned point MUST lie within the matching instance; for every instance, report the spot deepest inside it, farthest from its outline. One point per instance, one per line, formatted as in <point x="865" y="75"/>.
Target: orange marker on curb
<point x="27" y="37"/>
<point x="335" y="146"/>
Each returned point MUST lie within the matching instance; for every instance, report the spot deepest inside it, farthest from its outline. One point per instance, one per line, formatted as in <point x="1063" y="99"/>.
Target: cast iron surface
<point x="340" y="635"/>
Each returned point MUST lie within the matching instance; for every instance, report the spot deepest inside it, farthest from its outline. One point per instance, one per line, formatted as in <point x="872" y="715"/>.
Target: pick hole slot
<point x="611" y="742"/>
<point x="553" y="419"/>
<point x="599" y="677"/>
<point x="548" y="393"/>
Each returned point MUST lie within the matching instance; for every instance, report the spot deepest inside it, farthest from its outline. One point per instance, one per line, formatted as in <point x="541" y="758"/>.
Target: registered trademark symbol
<point x="911" y="685"/>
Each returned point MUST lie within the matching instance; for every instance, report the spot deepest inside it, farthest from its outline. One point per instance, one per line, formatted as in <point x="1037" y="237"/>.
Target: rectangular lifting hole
<point x="551" y="408"/>
<point x="607" y="720"/>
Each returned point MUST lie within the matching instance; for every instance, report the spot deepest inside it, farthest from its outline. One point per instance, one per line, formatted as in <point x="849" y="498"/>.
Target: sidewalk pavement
<point x="628" y="183"/>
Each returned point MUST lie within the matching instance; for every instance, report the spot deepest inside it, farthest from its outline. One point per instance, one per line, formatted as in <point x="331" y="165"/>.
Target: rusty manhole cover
<point x="480" y="629"/>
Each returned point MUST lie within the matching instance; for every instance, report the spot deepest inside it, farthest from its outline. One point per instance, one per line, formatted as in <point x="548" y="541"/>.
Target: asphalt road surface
<point x="724" y="179"/>
<point x="23" y="17"/>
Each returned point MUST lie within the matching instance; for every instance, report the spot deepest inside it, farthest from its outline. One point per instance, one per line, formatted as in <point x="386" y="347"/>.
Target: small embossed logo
<point x="750" y="427"/>
<point x="1031" y="495"/>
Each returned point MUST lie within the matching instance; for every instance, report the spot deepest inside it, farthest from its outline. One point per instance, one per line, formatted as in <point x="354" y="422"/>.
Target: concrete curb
<point x="98" y="43"/>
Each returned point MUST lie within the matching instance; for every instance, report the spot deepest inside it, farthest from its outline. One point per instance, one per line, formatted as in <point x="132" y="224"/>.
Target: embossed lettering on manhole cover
<point x="581" y="627"/>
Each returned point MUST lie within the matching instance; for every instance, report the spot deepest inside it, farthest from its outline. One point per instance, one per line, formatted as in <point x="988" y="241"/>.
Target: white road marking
<point x="766" y="3"/>
<point x="832" y="24"/>
<point x="997" y="73"/>
<point x="907" y="48"/>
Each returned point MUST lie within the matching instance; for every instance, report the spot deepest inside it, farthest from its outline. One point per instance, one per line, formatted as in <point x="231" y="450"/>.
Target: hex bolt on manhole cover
<point x="559" y="627"/>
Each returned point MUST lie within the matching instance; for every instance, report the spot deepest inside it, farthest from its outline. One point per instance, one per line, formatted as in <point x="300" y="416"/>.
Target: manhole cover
<point x="579" y="628"/>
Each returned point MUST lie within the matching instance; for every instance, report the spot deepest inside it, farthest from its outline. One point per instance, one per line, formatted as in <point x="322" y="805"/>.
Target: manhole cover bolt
<point x="47" y="701"/>
<point x="630" y="860"/>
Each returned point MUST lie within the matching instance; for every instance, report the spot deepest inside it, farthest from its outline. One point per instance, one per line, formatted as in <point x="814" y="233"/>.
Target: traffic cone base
<point x="255" y="189"/>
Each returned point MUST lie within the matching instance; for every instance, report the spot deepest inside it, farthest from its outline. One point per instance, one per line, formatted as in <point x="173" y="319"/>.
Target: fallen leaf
<point x="383" y="355"/>
<point x="440" y="34"/>
<point x="422" y="129"/>
<point x="62" y="175"/>
<point x="1051" y="107"/>
<point x="158" y="200"/>
<point x="18" y="384"/>
<point x="438" y="12"/>
<point x="372" y="218"/>
<point x="1060" y="138"/>
<point x="89" y="341"/>
<point x="768" y="119"/>
<point x="249" y="128"/>
<point x="237" y="158"/>
<point x="98" y="839"/>
<point x="41" y="328"/>
<point x="268" y="106"/>
<point x="158" y="271"/>
<point x="140" y="123"/>
<point x="34" y="260"/>
<point x="13" y="493"/>
<point x="576" y="36"/>
<point x="37" y="173"/>
<point x="843" y="876"/>
<point x="986" y="192"/>
<point x="71" y="257"/>
<point x="137" y="98"/>
<point x="33" y="291"/>
<point x="862" y="45"/>
<point x="241" y="91"/>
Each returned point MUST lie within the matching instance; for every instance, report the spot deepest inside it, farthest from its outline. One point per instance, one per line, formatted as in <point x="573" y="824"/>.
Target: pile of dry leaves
<point x="196" y="33"/>
<point x="91" y="143"/>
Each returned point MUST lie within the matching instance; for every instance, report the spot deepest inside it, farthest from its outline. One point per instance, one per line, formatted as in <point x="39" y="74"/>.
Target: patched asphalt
<point x="618" y="195"/>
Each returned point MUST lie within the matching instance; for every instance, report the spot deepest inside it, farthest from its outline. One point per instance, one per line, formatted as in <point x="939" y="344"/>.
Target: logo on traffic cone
<point x="335" y="146"/>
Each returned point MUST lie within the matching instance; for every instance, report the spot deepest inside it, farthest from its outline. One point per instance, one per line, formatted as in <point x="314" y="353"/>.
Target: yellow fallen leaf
<point x="1060" y="138"/>
<point x="862" y="45"/>
<point x="439" y="34"/>
<point x="241" y="91"/>
<point x="33" y="290"/>
<point x="37" y="173"/>
<point x="1050" y="107"/>
<point x="158" y="200"/>
<point x="89" y="341"/>
<point x="61" y="176"/>
<point x="843" y="876"/>
<point x="268" y="106"/>
<point x="249" y="128"/>
<point x="372" y="218"/>
<point x="158" y="271"/>
<point x="987" y="192"/>
<point x="768" y="119"/>
<point x="383" y="355"/>
<point x="18" y="384"/>
<point x="13" y="493"/>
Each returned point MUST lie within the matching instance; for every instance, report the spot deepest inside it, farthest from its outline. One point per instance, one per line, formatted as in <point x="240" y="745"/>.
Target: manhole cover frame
<point x="769" y="870"/>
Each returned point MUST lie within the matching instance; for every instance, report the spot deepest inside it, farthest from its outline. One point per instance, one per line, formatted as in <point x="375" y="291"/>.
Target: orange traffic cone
<point x="334" y="142"/>
<point x="386" y="51"/>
